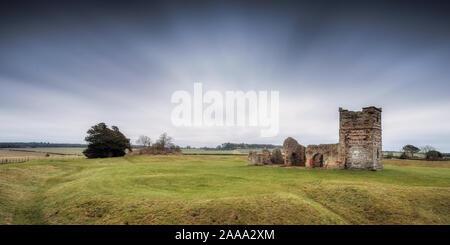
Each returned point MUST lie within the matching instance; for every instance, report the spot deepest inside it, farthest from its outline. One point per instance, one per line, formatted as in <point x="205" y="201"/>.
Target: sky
<point x="67" y="65"/>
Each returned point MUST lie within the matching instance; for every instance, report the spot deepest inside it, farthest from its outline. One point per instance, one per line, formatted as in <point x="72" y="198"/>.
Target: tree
<point x="144" y="140"/>
<point x="433" y="155"/>
<point x="426" y="149"/>
<point x="164" y="145"/>
<point x="106" y="142"/>
<point x="164" y="141"/>
<point x="410" y="149"/>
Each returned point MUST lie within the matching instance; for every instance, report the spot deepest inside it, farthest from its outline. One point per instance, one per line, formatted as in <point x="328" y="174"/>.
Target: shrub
<point x="156" y="150"/>
<point x="433" y="155"/>
<point x="163" y="146"/>
<point x="403" y="156"/>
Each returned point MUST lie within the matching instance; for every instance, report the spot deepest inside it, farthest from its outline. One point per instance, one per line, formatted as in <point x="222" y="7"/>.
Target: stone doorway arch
<point x="317" y="161"/>
<point x="293" y="156"/>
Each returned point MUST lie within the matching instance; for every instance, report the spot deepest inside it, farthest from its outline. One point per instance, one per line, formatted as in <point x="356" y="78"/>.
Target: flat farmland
<point x="37" y="152"/>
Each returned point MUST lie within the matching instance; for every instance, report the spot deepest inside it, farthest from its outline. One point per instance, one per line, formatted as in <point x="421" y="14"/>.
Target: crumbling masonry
<point x="359" y="146"/>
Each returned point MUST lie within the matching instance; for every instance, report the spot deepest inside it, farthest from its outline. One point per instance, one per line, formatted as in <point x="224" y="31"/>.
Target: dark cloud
<point x="65" y="65"/>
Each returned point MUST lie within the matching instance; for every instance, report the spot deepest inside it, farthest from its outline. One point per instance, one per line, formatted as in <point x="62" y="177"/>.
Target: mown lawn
<point x="220" y="190"/>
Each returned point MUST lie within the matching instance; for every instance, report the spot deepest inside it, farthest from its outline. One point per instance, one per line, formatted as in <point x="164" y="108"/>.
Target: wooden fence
<point x="6" y="160"/>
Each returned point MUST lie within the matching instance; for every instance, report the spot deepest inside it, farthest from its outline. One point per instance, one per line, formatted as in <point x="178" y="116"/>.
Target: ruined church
<point x="359" y="146"/>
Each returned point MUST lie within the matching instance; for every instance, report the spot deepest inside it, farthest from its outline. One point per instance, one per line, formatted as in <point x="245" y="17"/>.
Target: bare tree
<point x="144" y="140"/>
<point x="164" y="141"/>
<point x="427" y="148"/>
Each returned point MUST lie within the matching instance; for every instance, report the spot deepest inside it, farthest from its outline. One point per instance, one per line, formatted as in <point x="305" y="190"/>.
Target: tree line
<point x="409" y="151"/>
<point x="235" y="146"/>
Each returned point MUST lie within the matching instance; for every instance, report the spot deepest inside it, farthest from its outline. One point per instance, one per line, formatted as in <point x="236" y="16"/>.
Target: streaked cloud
<point x="64" y="69"/>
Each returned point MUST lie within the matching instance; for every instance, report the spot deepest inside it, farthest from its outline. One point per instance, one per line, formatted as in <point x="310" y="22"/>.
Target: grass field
<point x="219" y="190"/>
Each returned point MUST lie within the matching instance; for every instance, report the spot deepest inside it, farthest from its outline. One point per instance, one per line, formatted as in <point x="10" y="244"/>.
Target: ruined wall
<point x="277" y="157"/>
<point x="294" y="153"/>
<point x="323" y="156"/>
<point x="259" y="159"/>
<point x="254" y="159"/>
<point x="360" y="138"/>
<point x="359" y="146"/>
<point x="265" y="157"/>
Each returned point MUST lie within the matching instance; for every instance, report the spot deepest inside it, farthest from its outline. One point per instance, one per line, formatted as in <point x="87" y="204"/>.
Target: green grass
<point x="219" y="190"/>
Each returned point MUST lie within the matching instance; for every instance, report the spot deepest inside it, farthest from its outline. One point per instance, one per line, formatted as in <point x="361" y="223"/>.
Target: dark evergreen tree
<point x="410" y="149"/>
<point x="106" y="142"/>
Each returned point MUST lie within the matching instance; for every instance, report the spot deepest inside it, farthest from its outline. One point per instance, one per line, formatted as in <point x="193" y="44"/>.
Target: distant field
<point x="12" y="153"/>
<point x="24" y="152"/>
<point x="200" y="151"/>
<point x="41" y="152"/>
<point x="398" y="154"/>
<point x="417" y="163"/>
<point x="186" y="189"/>
<point x="220" y="152"/>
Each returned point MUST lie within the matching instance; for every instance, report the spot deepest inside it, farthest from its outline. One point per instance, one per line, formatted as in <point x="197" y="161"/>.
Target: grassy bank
<point x="219" y="190"/>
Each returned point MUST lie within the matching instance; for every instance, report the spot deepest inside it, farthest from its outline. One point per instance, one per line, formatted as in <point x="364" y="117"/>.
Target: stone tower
<point x="360" y="138"/>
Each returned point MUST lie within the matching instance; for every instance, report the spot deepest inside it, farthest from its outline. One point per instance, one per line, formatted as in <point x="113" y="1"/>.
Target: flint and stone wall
<point x="277" y="157"/>
<point x="360" y="138"/>
<point x="254" y="159"/>
<point x="323" y="156"/>
<point x="359" y="145"/>
<point x="259" y="159"/>
<point x="294" y="153"/>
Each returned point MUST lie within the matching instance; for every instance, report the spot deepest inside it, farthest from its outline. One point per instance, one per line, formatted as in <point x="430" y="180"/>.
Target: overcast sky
<point x="66" y="66"/>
